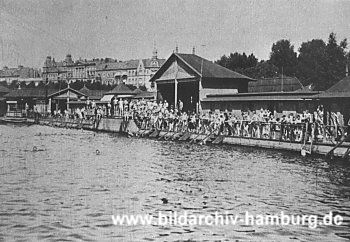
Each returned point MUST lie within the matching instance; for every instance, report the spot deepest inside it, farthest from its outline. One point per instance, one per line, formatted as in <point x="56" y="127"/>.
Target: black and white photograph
<point x="174" y="120"/>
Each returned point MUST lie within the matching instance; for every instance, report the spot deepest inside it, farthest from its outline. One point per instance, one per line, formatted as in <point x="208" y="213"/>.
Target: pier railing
<point x="16" y="114"/>
<point x="64" y="121"/>
<point x="297" y="133"/>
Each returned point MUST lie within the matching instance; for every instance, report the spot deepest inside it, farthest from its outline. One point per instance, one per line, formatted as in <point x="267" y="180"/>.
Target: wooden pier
<point x="339" y="149"/>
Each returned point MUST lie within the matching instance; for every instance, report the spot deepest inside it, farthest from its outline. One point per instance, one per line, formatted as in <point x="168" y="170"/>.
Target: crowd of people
<point x="263" y="123"/>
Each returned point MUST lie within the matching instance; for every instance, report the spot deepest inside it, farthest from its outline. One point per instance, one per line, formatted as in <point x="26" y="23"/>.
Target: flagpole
<point x="175" y="83"/>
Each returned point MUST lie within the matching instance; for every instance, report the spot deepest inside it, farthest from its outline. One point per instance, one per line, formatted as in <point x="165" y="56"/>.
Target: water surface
<point x="65" y="191"/>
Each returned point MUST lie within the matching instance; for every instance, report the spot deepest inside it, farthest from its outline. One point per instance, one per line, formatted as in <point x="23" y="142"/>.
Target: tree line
<point x="317" y="62"/>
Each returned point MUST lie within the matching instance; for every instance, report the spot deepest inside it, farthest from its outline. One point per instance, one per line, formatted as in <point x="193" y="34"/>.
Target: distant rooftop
<point x="275" y="84"/>
<point x="339" y="90"/>
<point x="210" y="69"/>
<point x="202" y="67"/>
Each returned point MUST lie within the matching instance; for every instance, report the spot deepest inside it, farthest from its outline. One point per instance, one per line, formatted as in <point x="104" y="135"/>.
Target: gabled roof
<point x="30" y="93"/>
<point x="275" y="84"/>
<point x="66" y="90"/>
<point x="92" y="94"/>
<point x="339" y="90"/>
<point x="202" y="67"/>
<point x="137" y="90"/>
<point x="146" y="95"/>
<point x="84" y="89"/>
<point x="342" y="86"/>
<point x="4" y="89"/>
<point x="121" y="89"/>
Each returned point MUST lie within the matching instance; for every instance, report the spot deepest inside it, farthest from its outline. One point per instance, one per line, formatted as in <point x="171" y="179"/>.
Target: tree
<point x="263" y="69"/>
<point x="336" y="59"/>
<point x="95" y="86"/>
<point x="41" y="84"/>
<point x="78" y="84"/>
<point x="320" y="63"/>
<point x="143" y="88"/>
<point x="31" y="85"/>
<point x="237" y="62"/>
<point x="14" y="84"/>
<point x="23" y="84"/>
<point x="284" y="57"/>
<point x="312" y="63"/>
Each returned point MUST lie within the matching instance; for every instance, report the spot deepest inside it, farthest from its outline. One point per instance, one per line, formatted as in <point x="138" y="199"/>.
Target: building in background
<point x="282" y="95"/>
<point x="71" y="70"/>
<point x="131" y="72"/>
<point x="107" y="71"/>
<point x="20" y="74"/>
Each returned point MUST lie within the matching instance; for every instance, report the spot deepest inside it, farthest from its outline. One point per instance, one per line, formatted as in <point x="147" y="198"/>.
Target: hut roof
<point x="30" y="93"/>
<point x="59" y="92"/>
<point x="210" y="69"/>
<point x="92" y="94"/>
<point x="202" y="67"/>
<point x="137" y="91"/>
<point x="146" y="95"/>
<point x="4" y="89"/>
<point x="121" y="89"/>
<point x="275" y="84"/>
<point x="84" y="89"/>
<point x="339" y="90"/>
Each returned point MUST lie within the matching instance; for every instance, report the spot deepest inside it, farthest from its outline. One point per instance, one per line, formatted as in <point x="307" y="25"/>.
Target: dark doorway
<point x="166" y="92"/>
<point x="59" y="104"/>
<point x="187" y="92"/>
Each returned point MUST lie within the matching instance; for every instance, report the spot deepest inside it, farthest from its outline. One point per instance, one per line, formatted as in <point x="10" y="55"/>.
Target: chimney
<point x="194" y="50"/>
<point x="176" y="49"/>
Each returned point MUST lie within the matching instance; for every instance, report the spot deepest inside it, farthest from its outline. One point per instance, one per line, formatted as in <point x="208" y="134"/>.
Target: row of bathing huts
<point x="200" y="86"/>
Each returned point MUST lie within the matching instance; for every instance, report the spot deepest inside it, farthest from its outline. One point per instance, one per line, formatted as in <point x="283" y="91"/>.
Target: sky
<point x="30" y="30"/>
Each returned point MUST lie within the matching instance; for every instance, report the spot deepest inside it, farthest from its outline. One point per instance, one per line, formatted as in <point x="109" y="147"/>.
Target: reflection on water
<point x="65" y="191"/>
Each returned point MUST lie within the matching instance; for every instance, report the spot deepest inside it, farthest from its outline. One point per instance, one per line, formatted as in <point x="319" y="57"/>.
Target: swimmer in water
<point x="35" y="149"/>
<point x="98" y="152"/>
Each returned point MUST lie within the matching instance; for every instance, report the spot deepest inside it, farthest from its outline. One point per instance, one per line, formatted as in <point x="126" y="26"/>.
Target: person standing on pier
<point x="121" y="107"/>
<point x="181" y="105"/>
<point x="112" y="106"/>
<point x="109" y="107"/>
<point x="27" y="109"/>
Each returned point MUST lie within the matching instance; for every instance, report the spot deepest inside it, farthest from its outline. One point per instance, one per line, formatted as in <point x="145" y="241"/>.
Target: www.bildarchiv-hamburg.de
<point x="222" y="219"/>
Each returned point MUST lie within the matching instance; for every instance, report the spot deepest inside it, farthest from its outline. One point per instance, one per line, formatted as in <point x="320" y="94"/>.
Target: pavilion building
<point x="191" y="78"/>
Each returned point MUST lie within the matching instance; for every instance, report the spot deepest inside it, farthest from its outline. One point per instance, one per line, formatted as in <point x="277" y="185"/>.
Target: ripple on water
<point x="66" y="192"/>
